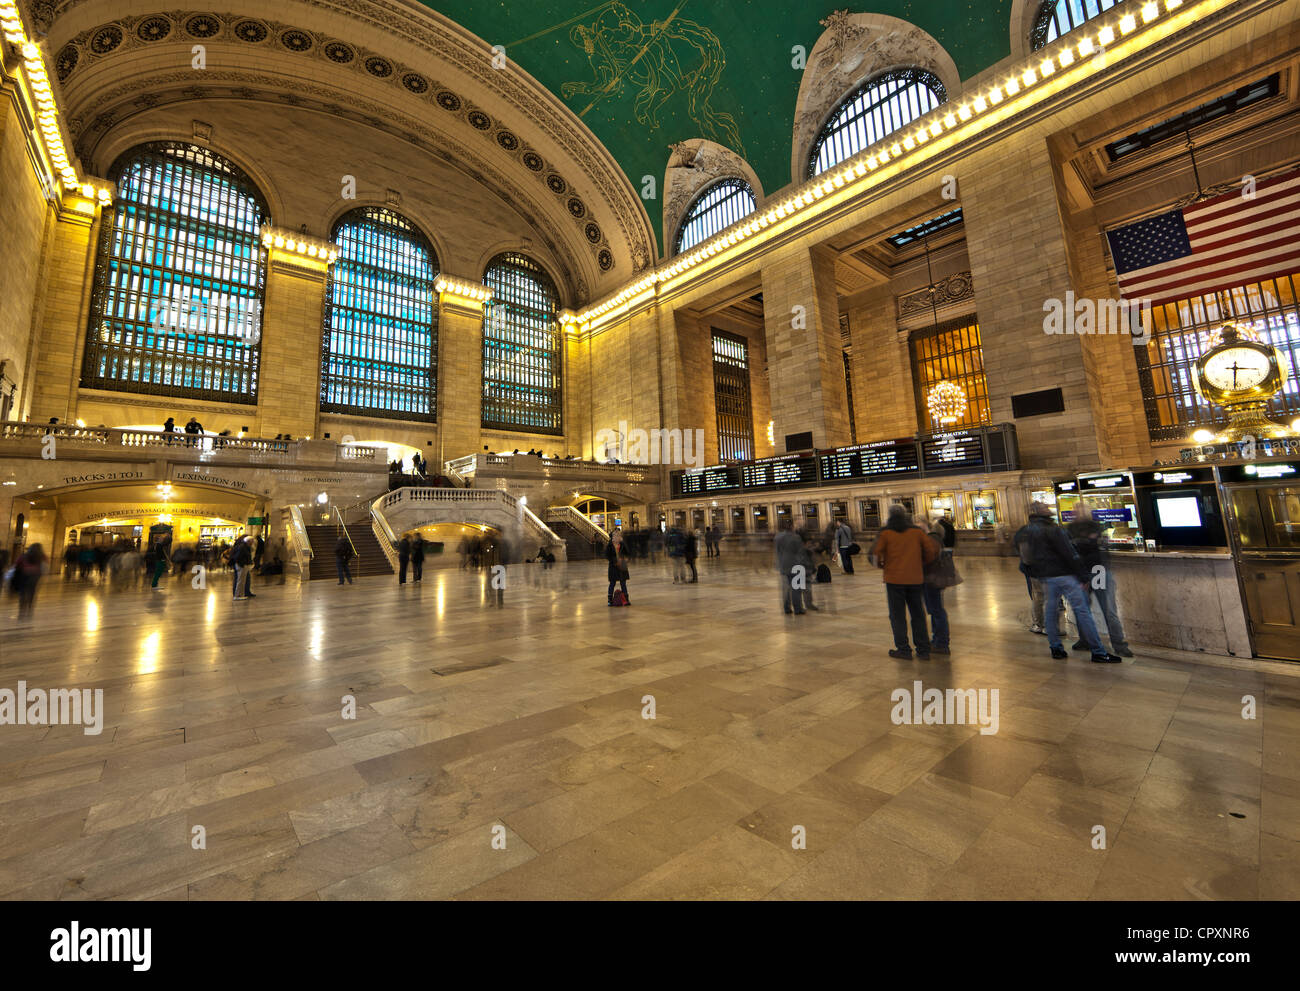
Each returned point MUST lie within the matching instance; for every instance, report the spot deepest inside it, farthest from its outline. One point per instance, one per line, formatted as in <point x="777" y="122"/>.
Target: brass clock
<point x="1241" y="375"/>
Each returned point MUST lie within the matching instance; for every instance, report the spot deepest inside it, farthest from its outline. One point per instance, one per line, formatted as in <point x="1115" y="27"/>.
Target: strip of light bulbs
<point x="1061" y="55"/>
<point x="299" y="244"/>
<point x="47" y="110"/>
<point x="475" y="291"/>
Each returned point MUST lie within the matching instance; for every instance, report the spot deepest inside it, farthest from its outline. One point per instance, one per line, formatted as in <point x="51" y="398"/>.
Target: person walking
<point x="939" y="574"/>
<point x="417" y="558"/>
<point x="690" y="551"/>
<point x="616" y="555"/>
<point x="844" y="546"/>
<point x="242" y="559"/>
<point x="788" y="551"/>
<point x="161" y="557"/>
<point x="343" y="553"/>
<point x="28" y="570"/>
<point x="259" y="550"/>
<point x="1052" y="559"/>
<point x="403" y="557"/>
<point x="676" y="545"/>
<point x="69" y="562"/>
<point x="1090" y="542"/>
<point x="903" y="550"/>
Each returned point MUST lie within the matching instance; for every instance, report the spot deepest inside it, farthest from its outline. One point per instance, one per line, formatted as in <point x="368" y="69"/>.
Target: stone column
<point x="1019" y="259"/>
<point x="804" y="355"/>
<point x="288" y="388"/>
<point x="460" y="375"/>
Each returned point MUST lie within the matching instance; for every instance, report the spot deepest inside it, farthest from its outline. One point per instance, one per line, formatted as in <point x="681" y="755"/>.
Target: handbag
<point x="942" y="573"/>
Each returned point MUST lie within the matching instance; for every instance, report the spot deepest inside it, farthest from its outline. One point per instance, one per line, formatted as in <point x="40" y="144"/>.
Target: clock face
<point x="1237" y="369"/>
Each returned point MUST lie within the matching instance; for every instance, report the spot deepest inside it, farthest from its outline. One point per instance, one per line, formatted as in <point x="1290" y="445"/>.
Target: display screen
<point x="1179" y="511"/>
<point x="1112" y="482"/>
<point x="787" y="471"/>
<point x="953" y="451"/>
<point x="885" y="458"/>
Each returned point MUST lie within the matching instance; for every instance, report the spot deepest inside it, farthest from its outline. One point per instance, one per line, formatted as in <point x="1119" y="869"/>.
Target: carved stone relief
<point x="692" y="166"/>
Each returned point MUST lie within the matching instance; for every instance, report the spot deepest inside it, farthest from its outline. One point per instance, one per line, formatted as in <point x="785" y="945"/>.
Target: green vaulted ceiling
<point x="662" y="71"/>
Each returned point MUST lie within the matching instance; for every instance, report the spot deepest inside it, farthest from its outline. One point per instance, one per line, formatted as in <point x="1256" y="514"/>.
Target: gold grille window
<point x="951" y="353"/>
<point x="731" y="397"/>
<point x="521" y="348"/>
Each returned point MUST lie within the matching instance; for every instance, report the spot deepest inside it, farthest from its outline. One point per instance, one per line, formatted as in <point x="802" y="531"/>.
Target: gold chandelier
<point x="947" y="403"/>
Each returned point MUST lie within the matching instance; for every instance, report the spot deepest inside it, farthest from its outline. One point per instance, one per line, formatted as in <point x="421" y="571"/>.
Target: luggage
<point x="823" y="574"/>
<point x="619" y="598"/>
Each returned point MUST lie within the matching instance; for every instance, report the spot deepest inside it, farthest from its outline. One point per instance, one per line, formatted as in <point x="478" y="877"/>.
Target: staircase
<point x="579" y="544"/>
<point x="369" y="562"/>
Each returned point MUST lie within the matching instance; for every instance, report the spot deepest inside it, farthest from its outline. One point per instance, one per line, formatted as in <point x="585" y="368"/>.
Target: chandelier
<point x="947" y="403"/>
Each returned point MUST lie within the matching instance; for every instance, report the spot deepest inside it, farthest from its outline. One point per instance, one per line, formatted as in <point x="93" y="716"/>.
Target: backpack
<point x="823" y="574"/>
<point x="619" y="598"/>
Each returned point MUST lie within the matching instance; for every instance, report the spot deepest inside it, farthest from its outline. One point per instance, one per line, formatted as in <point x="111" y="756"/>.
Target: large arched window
<point x="714" y="210"/>
<point x="379" y="352"/>
<point x="521" y="348"/>
<point x="1058" y="17"/>
<point x="875" y="109"/>
<point x="180" y="279"/>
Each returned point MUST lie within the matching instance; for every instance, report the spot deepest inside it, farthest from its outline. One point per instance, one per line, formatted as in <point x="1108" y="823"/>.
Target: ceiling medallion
<point x="480" y="120"/>
<point x="592" y="231"/>
<point x="153" y="29"/>
<point x="105" y="40"/>
<point x="253" y="32"/>
<point x="533" y="161"/>
<point x="605" y="260"/>
<point x="379" y="67"/>
<point x="66" y="61"/>
<point x="296" y="41"/>
<point x="448" y="101"/>
<point x="202" y="26"/>
<point x="556" y="184"/>
<point x="508" y="141"/>
<point x="340" y="53"/>
<point x="577" y="208"/>
<point x="415" y="83"/>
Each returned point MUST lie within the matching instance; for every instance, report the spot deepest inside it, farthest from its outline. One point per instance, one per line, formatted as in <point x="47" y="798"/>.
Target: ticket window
<point x="760" y="519"/>
<point x="697" y="519"/>
<point x="718" y="516"/>
<point x="984" y="510"/>
<point x="784" y="512"/>
<point x="679" y="519"/>
<point x="1066" y="501"/>
<point x="811" y="516"/>
<point x="839" y="512"/>
<point x="1046" y="496"/>
<point x="870" y="509"/>
<point x="907" y="502"/>
<point x="939" y="505"/>
<point x="738" y="519"/>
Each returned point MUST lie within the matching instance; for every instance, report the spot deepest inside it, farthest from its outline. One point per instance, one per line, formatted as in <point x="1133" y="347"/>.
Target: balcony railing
<point x="14" y="434"/>
<point x="531" y="464"/>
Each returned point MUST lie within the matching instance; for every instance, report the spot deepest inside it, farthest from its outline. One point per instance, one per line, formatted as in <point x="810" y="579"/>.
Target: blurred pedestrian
<point x="903" y="550"/>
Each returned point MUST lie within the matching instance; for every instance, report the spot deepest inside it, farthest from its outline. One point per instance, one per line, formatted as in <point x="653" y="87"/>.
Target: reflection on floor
<point x="501" y="752"/>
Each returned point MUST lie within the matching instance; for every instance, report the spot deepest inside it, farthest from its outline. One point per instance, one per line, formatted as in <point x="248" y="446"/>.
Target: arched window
<point x="1058" y="17"/>
<point x="714" y="210"/>
<point x="521" y="348"/>
<point x="180" y="279"/>
<point x="875" y="109"/>
<point x="379" y="351"/>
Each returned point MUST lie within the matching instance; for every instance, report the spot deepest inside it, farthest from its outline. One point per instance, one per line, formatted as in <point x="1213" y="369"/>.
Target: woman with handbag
<point x="616" y="555"/>
<point x="940" y="573"/>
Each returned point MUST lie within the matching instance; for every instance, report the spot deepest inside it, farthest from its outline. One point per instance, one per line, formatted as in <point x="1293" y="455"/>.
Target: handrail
<point x="506" y="501"/>
<point x="579" y="521"/>
<point x="528" y="514"/>
<point x="302" y="549"/>
<point x="384" y="534"/>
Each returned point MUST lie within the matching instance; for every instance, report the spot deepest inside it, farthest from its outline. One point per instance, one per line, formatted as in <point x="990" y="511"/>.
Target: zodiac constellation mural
<point x="656" y="61"/>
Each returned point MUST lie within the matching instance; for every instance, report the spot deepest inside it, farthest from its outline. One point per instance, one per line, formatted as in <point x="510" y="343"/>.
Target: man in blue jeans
<point x="1050" y="557"/>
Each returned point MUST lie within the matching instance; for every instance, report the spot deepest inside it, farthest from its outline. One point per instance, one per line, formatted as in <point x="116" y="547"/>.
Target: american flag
<point x="1220" y="243"/>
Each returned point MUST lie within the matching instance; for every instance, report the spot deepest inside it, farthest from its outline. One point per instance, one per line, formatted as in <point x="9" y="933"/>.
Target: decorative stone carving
<point x="853" y="49"/>
<point x="692" y="166"/>
<point x="945" y="293"/>
<point x="202" y="129"/>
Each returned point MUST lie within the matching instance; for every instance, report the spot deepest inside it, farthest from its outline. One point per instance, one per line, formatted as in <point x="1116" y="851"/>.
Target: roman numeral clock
<point x="1241" y="375"/>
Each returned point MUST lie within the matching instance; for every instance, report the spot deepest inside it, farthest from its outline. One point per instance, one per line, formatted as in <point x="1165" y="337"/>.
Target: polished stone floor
<point x="501" y="751"/>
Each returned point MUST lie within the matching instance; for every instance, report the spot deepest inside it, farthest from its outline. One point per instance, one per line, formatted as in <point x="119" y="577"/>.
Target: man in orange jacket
<point x="903" y="550"/>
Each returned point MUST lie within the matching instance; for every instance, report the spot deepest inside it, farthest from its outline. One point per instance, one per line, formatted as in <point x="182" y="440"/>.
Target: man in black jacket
<point x="242" y="558"/>
<point x="342" y="555"/>
<point x="1049" y="556"/>
<point x="1089" y="540"/>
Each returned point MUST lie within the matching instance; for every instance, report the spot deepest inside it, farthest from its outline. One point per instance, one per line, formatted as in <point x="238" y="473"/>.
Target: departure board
<point x="783" y="471"/>
<point x="885" y="458"/>
<point x="690" y="482"/>
<point x="949" y="452"/>
<point x="721" y="479"/>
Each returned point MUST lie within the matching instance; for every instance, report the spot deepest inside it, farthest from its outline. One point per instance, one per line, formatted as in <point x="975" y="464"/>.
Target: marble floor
<point x="501" y="752"/>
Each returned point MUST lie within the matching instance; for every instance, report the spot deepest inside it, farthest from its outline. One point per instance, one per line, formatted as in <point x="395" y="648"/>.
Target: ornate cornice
<point x="945" y="294"/>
